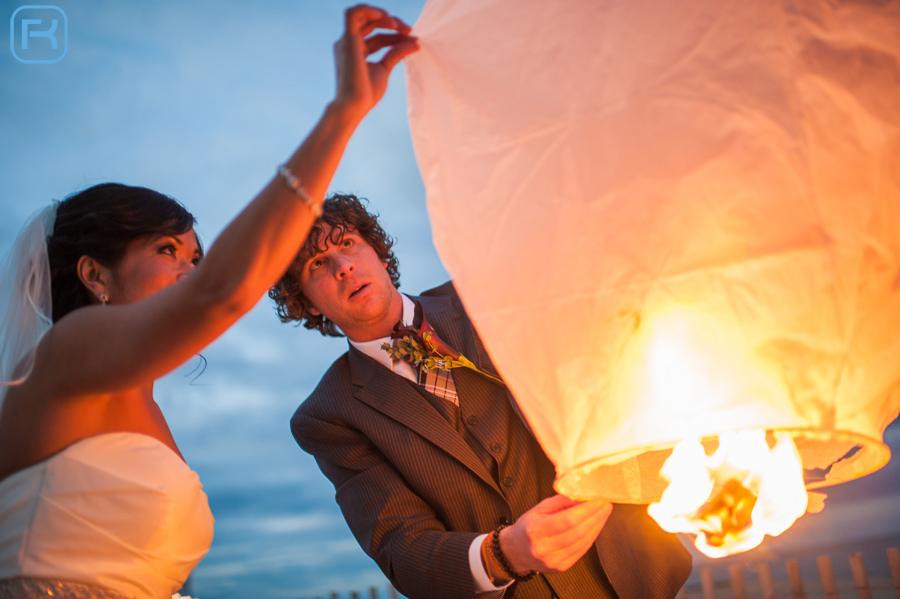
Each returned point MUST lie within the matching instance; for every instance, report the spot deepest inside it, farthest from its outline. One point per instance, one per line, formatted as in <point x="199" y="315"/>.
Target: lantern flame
<point x="747" y="489"/>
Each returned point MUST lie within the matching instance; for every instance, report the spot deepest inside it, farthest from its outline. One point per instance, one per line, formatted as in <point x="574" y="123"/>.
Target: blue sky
<point x="202" y="100"/>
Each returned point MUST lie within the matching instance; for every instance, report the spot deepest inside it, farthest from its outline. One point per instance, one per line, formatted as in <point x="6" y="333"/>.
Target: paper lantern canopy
<point x="672" y="220"/>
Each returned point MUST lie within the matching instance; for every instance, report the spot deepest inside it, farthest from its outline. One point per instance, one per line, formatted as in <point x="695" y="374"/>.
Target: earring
<point x="104" y="299"/>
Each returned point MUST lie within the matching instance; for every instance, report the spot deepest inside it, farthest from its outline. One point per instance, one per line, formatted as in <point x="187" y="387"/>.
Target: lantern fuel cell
<point x="732" y="492"/>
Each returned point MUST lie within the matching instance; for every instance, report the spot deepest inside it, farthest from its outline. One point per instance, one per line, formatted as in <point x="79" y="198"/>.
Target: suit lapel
<point x="450" y="322"/>
<point x="448" y="318"/>
<point x="398" y="398"/>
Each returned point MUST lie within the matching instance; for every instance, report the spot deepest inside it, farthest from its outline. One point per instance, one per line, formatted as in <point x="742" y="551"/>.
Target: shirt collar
<point x="373" y="348"/>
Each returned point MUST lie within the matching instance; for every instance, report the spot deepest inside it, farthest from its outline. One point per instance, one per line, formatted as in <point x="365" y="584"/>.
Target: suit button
<point x="507" y="482"/>
<point x="472" y="420"/>
<point x="495" y="447"/>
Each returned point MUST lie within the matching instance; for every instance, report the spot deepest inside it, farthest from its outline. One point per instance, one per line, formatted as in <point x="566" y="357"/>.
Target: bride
<point x="95" y="498"/>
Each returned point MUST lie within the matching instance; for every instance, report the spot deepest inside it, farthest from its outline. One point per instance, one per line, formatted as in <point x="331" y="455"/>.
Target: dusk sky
<point x="202" y="100"/>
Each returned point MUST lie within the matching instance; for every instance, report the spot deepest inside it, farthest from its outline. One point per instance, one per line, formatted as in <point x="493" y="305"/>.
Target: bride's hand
<point x="361" y="84"/>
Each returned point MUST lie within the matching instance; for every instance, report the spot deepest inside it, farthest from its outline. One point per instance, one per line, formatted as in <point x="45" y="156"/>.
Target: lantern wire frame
<point x="634" y="476"/>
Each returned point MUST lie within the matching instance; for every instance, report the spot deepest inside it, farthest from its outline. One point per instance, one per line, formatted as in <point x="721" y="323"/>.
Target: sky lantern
<point x="676" y="227"/>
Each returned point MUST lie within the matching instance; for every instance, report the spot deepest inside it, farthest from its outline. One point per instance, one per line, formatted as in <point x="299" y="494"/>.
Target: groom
<point x="436" y="473"/>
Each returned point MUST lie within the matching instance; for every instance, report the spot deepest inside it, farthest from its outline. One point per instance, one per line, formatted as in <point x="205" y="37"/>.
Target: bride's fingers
<point x="387" y="22"/>
<point x="398" y="52"/>
<point x="383" y="40"/>
<point x="364" y="19"/>
<point x="359" y="16"/>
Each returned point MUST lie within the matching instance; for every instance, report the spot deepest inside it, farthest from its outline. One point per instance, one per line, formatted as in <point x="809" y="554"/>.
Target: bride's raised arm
<point x="107" y="348"/>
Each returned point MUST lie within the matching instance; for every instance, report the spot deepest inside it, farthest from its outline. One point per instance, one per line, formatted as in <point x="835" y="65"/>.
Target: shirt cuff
<point x="479" y="576"/>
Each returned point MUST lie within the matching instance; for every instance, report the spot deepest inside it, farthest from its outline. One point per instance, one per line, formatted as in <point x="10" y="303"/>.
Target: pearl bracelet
<point x="294" y="184"/>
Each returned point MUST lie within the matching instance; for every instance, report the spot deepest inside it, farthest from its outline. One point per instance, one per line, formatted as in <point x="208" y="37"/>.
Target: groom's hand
<point x="554" y="534"/>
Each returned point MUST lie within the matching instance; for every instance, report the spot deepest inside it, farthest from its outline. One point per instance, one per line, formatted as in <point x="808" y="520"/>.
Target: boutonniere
<point x="426" y="350"/>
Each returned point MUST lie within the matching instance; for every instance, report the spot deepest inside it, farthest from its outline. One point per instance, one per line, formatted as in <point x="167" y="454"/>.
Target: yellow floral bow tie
<point x="421" y="347"/>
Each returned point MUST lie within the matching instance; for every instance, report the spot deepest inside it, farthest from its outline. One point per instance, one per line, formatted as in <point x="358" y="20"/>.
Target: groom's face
<point x="349" y="284"/>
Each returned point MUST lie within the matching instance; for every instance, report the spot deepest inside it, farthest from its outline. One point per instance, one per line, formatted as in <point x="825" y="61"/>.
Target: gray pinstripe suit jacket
<point x="415" y="494"/>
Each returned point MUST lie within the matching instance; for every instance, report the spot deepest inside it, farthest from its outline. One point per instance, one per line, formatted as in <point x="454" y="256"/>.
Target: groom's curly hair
<point x="343" y="213"/>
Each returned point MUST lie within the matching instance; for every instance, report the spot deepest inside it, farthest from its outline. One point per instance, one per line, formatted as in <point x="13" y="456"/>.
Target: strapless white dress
<point x="120" y="511"/>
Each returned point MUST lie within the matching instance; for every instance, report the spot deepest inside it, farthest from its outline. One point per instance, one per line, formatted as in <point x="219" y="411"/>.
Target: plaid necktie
<point x="435" y="380"/>
<point x="439" y="382"/>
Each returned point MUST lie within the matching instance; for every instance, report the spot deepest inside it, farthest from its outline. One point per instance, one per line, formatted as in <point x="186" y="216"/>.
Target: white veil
<point x="26" y="308"/>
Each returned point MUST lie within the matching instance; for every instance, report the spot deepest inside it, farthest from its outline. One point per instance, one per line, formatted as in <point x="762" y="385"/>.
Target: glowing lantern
<point x="670" y="221"/>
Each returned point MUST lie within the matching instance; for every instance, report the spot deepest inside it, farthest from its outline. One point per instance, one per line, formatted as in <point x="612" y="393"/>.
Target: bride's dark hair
<point x="101" y="222"/>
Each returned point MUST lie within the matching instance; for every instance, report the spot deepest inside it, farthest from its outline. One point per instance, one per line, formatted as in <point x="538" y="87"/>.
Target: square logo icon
<point x="39" y="34"/>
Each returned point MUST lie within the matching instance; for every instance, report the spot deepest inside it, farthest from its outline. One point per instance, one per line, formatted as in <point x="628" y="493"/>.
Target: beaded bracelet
<point x="487" y="558"/>
<point x="493" y="568"/>
<point x="294" y="184"/>
<point x="497" y="553"/>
